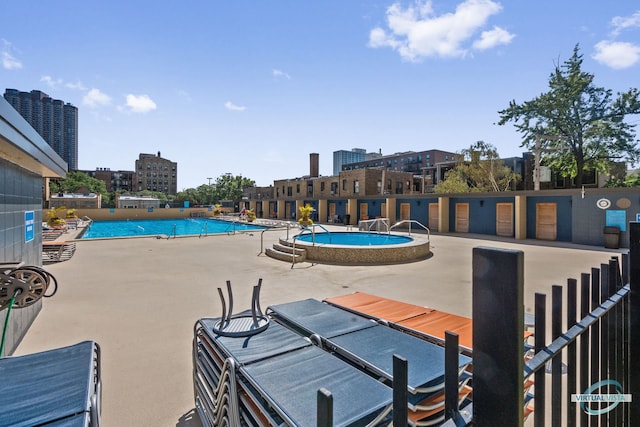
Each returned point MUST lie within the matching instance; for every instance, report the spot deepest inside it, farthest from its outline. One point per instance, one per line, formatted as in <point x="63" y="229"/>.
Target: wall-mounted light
<point x="481" y="203"/>
<point x="373" y="203"/>
<point x="418" y="203"/>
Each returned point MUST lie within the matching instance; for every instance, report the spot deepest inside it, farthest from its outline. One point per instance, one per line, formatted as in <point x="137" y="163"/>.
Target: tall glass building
<point x="342" y="157"/>
<point x="55" y="121"/>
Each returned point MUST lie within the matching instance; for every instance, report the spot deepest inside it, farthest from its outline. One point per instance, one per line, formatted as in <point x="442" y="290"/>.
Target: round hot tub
<point x="361" y="247"/>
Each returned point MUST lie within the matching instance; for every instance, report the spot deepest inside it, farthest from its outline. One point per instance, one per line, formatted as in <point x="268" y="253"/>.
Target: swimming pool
<point x="164" y="227"/>
<point x="358" y="247"/>
<point x="354" y="238"/>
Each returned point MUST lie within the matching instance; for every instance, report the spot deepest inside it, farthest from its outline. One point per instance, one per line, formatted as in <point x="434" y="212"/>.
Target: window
<point x="289" y="191"/>
<point x="379" y="186"/>
<point x="322" y="186"/>
<point x="344" y="184"/>
<point x="356" y="186"/>
<point x="298" y="188"/>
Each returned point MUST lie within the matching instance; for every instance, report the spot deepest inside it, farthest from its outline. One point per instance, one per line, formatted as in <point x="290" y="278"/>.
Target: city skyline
<point x="251" y="89"/>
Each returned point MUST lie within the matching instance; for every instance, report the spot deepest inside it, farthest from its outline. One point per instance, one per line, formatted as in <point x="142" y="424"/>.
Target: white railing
<point x="411" y="221"/>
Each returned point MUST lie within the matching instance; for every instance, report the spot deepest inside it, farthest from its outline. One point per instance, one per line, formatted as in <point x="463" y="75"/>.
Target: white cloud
<point x="620" y="23"/>
<point x="140" y="103"/>
<point x="76" y="86"/>
<point x="493" y="38"/>
<point x="617" y="55"/>
<point x="281" y="74"/>
<point x="417" y="32"/>
<point x="233" y="107"/>
<point x="9" y="62"/>
<point x="95" y="98"/>
<point x="50" y="81"/>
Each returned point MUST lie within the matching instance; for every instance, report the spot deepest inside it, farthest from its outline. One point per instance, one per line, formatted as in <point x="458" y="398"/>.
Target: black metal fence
<point x="583" y="375"/>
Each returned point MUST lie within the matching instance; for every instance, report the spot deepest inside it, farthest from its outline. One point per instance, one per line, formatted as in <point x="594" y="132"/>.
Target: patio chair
<point x="372" y="346"/>
<point x="278" y="373"/>
<point x="57" y="251"/>
<point x="60" y="387"/>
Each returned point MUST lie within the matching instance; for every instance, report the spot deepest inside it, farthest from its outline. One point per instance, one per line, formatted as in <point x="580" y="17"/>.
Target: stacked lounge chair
<point x="60" y="387"/>
<point x="371" y="346"/>
<point x="55" y="251"/>
<point x="267" y="370"/>
<point x="272" y="378"/>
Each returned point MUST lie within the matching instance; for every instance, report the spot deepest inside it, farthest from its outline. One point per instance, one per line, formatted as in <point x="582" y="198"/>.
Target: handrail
<point x="312" y="227"/>
<point x="271" y="229"/>
<point x="205" y="227"/>
<point x="410" y="221"/>
<point x="371" y="222"/>
<point x="174" y="232"/>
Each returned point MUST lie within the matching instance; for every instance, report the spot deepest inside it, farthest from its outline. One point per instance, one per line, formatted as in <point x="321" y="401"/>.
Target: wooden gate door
<point x="546" y="221"/>
<point x="504" y="219"/>
<point x="364" y="211"/>
<point x="405" y="211"/>
<point x="434" y="217"/>
<point x="462" y="218"/>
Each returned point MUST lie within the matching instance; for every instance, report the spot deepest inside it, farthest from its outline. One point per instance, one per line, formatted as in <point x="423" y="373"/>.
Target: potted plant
<point x="251" y="215"/>
<point x="305" y="215"/>
<point x="217" y="209"/>
<point x="53" y="220"/>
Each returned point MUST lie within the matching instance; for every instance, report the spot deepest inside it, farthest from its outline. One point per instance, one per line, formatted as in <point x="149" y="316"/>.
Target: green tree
<point x="478" y="168"/>
<point x="229" y="187"/>
<point x="631" y="180"/>
<point x="226" y="187"/>
<point x="579" y="126"/>
<point x="453" y="182"/>
<point x="77" y="180"/>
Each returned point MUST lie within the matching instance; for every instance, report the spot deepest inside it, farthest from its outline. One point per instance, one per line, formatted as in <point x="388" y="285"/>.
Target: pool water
<point x="183" y="227"/>
<point x="354" y="238"/>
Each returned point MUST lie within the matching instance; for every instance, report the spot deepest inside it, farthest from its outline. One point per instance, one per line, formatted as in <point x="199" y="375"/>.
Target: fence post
<point x="400" y="390"/>
<point x="325" y="408"/>
<point x="498" y="331"/>
<point x="634" y="318"/>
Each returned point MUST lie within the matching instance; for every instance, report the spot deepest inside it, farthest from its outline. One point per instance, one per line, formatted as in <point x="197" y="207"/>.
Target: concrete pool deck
<point x="139" y="299"/>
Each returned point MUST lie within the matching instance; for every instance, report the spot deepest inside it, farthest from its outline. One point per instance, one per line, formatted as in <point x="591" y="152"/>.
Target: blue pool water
<point x="183" y="227"/>
<point x="355" y="238"/>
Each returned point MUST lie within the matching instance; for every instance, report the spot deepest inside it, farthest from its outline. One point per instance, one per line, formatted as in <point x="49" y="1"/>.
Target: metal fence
<point x="593" y="378"/>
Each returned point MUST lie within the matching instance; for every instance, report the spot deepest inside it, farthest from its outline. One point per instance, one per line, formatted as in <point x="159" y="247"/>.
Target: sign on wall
<point x="29" y="226"/>
<point x="616" y="218"/>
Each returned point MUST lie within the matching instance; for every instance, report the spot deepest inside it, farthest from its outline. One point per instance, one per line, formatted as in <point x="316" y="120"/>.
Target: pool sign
<point x="29" y="224"/>
<point x="616" y="218"/>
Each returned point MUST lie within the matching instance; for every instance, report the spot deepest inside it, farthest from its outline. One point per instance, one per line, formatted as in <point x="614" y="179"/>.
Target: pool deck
<point x="139" y="299"/>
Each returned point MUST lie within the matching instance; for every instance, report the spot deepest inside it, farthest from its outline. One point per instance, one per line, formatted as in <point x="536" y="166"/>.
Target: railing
<point x="368" y="224"/>
<point x="598" y="348"/>
<point x="411" y="221"/>
<point x="605" y="338"/>
<point x="288" y="227"/>
<point x="312" y="229"/>
<point x="205" y="229"/>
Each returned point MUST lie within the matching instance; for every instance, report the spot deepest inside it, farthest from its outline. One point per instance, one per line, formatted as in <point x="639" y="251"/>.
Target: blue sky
<point x="251" y="88"/>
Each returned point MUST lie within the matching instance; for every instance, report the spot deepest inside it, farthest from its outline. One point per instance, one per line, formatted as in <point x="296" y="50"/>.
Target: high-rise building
<point x="156" y="174"/>
<point x="343" y="157"/>
<point x="55" y="121"/>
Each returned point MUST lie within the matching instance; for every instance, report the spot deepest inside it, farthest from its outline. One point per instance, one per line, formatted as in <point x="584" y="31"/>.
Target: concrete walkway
<point x="139" y="299"/>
